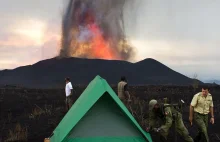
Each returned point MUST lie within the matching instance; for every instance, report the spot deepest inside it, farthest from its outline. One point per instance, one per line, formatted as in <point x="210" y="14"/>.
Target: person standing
<point x="201" y="105"/>
<point x="123" y="93"/>
<point x="69" y="93"/>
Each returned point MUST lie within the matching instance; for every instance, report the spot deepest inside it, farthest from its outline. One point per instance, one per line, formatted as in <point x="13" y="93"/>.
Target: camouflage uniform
<point x="201" y="106"/>
<point x="167" y="119"/>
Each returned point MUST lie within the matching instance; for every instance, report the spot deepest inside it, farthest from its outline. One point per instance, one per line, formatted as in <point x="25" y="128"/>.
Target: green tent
<point x="99" y="116"/>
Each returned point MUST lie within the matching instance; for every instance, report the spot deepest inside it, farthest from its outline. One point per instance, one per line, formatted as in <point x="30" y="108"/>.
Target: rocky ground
<point x="32" y="114"/>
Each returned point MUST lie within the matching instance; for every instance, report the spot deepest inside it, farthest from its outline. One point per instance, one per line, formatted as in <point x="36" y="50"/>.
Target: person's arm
<point x="126" y="92"/>
<point x="212" y="112"/>
<point x="191" y="108"/>
<point x="152" y="121"/>
<point x="211" y="109"/>
<point x="71" y="88"/>
<point x="169" y="120"/>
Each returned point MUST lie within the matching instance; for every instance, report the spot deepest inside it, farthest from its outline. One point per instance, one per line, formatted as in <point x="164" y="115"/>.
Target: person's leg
<point x="70" y="102"/>
<point x="164" y="134"/>
<point x="181" y="129"/>
<point x="199" y="121"/>
<point x="198" y="137"/>
<point x="205" y="119"/>
<point x="67" y="108"/>
<point x="163" y="139"/>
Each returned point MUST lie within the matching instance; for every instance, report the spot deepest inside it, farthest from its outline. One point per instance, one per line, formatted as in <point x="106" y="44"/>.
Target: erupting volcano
<point x="95" y="29"/>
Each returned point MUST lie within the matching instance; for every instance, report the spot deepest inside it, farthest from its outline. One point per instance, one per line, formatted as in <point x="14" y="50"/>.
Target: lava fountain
<point x="95" y="29"/>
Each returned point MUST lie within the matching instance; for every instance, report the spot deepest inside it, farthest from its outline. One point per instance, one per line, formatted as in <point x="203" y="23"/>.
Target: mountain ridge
<point x="51" y="72"/>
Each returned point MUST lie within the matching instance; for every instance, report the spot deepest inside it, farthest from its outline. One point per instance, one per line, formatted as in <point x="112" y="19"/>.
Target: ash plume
<point x="95" y="29"/>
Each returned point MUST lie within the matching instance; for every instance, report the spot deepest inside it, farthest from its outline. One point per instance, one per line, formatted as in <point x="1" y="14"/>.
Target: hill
<point x="213" y="81"/>
<point x="50" y="73"/>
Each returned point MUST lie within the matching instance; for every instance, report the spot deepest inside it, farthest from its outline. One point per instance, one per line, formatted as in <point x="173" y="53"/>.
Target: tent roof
<point x="96" y="88"/>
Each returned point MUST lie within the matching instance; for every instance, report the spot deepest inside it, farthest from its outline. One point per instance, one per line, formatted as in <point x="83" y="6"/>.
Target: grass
<point x="18" y="134"/>
<point x="38" y="111"/>
<point x="137" y="109"/>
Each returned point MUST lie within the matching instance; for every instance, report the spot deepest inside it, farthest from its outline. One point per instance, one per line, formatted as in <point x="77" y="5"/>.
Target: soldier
<point x="202" y="105"/>
<point x="168" y="115"/>
<point x="123" y="93"/>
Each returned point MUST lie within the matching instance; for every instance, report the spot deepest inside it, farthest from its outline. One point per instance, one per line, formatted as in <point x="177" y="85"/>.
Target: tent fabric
<point x="73" y="120"/>
<point x="108" y="139"/>
<point x="105" y="119"/>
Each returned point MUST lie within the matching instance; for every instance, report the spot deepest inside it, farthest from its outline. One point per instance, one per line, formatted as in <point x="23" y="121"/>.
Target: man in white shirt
<point x="69" y="93"/>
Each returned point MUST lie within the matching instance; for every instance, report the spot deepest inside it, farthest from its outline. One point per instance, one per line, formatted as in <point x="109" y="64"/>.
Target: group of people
<point x="200" y="108"/>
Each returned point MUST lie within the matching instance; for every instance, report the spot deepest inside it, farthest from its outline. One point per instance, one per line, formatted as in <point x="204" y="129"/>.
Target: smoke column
<point x="95" y="29"/>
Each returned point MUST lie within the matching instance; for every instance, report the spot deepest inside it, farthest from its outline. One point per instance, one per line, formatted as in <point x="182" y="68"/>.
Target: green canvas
<point x="99" y="115"/>
<point x="108" y="139"/>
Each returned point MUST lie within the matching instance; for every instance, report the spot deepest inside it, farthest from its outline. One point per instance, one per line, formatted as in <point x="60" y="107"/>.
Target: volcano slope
<point x="32" y="114"/>
<point x="50" y="73"/>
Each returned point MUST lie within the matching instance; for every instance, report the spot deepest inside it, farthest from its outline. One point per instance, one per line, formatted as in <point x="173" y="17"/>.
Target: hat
<point x="152" y="103"/>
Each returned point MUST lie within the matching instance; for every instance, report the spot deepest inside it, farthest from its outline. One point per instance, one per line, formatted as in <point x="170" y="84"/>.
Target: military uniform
<point x="168" y="116"/>
<point x="201" y="106"/>
<point x="122" y="87"/>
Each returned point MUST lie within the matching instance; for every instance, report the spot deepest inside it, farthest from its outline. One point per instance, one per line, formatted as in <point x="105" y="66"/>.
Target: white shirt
<point x="68" y="89"/>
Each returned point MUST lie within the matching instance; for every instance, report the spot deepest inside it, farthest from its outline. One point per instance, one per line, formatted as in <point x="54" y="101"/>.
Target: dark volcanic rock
<point x="51" y="73"/>
<point x="41" y="110"/>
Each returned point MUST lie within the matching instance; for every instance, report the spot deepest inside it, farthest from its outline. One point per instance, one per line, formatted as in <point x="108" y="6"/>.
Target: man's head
<point x="123" y="78"/>
<point x="67" y="79"/>
<point x="153" y="105"/>
<point x="205" y="90"/>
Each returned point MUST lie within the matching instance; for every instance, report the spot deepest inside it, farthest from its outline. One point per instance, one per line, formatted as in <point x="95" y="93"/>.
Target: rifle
<point x="178" y="106"/>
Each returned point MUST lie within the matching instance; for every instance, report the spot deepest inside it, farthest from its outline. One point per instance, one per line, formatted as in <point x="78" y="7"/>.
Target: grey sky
<point x="183" y="35"/>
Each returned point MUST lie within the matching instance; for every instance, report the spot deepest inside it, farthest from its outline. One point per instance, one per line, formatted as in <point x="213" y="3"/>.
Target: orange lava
<point x="100" y="48"/>
<point x="97" y="46"/>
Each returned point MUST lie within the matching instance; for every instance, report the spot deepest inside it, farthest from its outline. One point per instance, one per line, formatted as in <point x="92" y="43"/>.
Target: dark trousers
<point x="69" y="102"/>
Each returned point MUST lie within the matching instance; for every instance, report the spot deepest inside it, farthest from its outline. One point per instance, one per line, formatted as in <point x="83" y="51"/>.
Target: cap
<point x="152" y="103"/>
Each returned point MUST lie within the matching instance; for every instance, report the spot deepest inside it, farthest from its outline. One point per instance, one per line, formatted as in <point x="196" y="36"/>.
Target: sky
<point x="183" y="35"/>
